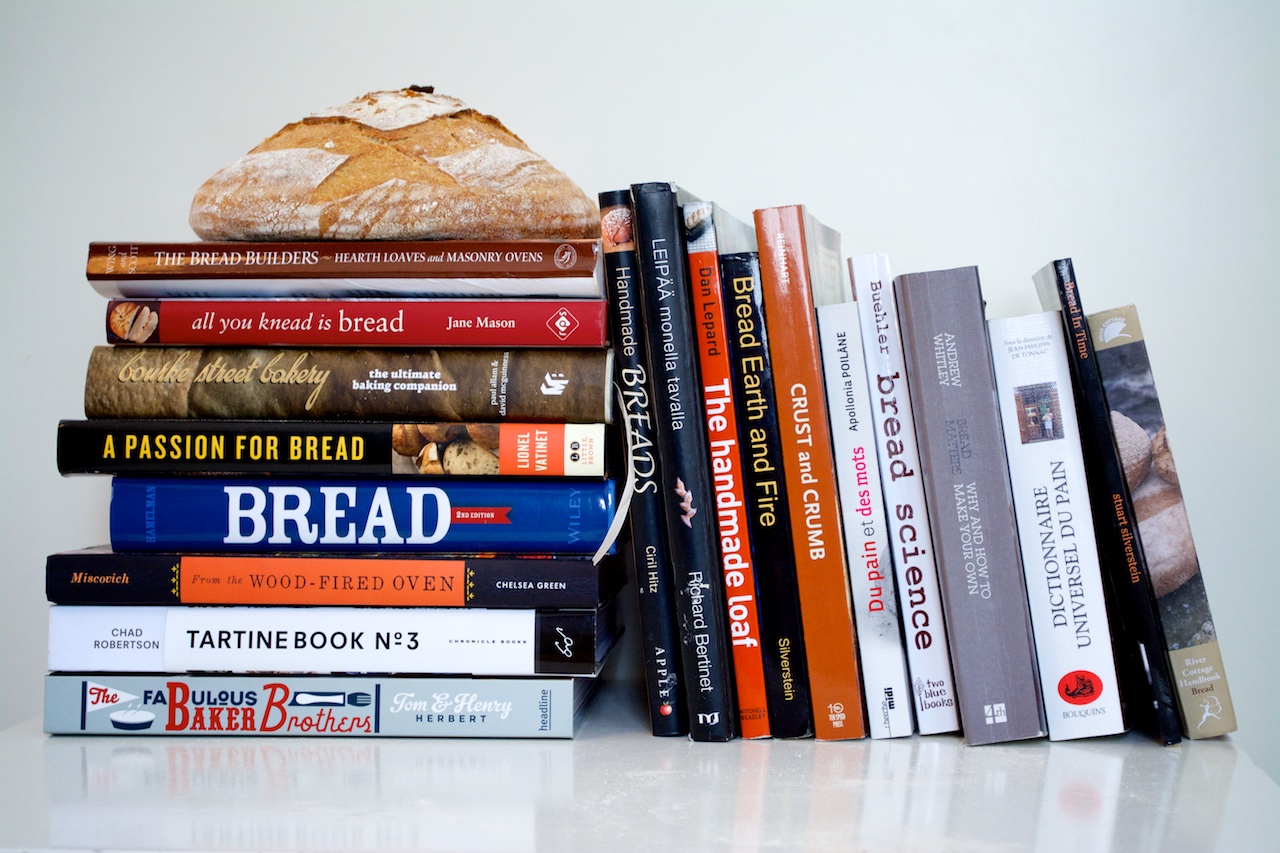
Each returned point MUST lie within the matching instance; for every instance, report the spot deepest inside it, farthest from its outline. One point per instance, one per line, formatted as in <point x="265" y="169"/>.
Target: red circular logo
<point x="1080" y="687"/>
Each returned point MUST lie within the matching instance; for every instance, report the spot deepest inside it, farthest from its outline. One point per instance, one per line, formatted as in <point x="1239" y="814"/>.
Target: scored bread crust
<point x="399" y="165"/>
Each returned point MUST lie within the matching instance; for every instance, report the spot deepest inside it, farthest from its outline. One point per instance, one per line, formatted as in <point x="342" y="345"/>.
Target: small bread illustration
<point x="406" y="440"/>
<point x="143" y="326"/>
<point x="441" y="433"/>
<point x="121" y="317"/>
<point x="1162" y="457"/>
<point x="428" y="460"/>
<point x="1134" y="447"/>
<point x="466" y="458"/>
<point x="485" y="435"/>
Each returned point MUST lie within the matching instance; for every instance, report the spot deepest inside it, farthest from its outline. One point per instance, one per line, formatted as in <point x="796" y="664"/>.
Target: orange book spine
<point x="321" y="581"/>
<point x="809" y="469"/>
<point x="731" y="515"/>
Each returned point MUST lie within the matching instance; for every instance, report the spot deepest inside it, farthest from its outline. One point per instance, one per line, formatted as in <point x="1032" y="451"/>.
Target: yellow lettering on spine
<point x="109" y="449"/>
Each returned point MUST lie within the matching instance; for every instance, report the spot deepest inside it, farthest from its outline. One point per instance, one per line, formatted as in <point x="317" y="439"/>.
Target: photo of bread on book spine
<point x="132" y="322"/>
<point x="445" y="449"/>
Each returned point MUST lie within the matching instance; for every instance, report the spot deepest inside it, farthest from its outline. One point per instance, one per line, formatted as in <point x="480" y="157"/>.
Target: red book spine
<point x="809" y="467"/>
<point x="359" y="322"/>
<point x="707" y="302"/>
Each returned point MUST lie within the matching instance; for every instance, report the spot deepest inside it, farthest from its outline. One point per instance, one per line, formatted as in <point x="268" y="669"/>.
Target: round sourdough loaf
<point x="402" y="165"/>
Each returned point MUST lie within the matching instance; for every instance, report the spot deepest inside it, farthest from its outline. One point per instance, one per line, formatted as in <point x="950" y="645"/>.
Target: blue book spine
<point x="427" y="515"/>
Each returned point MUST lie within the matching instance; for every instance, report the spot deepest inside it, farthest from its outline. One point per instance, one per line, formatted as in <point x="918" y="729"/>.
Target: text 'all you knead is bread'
<point x="395" y="165"/>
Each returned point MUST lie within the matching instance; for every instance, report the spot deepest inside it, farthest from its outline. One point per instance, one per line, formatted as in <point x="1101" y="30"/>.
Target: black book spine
<point x="571" y="642"/>
<point x="168" y="446"/>
<point x="647" y="551"/>
<point x="686" y="468"/>
<point x="1140" y="656"/>
<point x="105" y="577"/>
<point x="782" y="637"/>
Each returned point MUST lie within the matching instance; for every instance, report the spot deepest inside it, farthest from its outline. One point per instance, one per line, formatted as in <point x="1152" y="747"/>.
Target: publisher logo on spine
<point x="565" y="256"/>
<point x="554" y="384"/>
<point x="1080" y="687"/>
<point x="562" y="324"/>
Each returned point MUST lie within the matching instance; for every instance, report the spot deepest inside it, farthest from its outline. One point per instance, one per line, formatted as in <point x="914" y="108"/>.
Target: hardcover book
<point x="1144" y="669"/>
<point x="765" y="496"/>
<point x="161" y="446"/>
<point x="347" y="268"/>
<point x="1137" y="419"/>
<point x="967" y="494"/>
<point x="474" y="322"/>
<point x="1078" y="677"/>
<point x="688" y="498"/>
<point x="563" y="385"/>
<point x="800" y="270"/>
<point x="885" y="677"/>
<point x="442" y="515"/>
<point x="302" y="640"/>
<point x="647" y="546"/>
<point x="313" y="706"/>
<point x="103" y="576"/>
<point x="709" y="230"/>
<point x="911" y="544"/>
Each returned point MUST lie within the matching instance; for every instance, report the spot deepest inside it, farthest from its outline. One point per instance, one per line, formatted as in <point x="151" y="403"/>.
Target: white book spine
<point x="1055" y="525"/>
<point x="885" y="677"/>
<point x="910" y="534"/>
<point x="474" y="641"/>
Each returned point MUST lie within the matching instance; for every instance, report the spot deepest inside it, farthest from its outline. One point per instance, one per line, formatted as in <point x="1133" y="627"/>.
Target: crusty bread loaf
<point x="407" y="164"/>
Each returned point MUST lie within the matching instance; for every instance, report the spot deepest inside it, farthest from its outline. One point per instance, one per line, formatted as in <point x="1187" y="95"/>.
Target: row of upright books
<point x="375" y="488"/>
<point x="861" y="508"/>
<point x="358" y="488"/>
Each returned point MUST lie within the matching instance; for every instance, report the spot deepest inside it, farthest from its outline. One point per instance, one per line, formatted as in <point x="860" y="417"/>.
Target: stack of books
<point x="358" y="488"/>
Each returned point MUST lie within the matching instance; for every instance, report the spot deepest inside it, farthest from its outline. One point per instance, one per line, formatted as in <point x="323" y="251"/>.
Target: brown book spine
<point x="345" y="259"/>
<point x="460" y="385"/>
<point x="791" y="294"/>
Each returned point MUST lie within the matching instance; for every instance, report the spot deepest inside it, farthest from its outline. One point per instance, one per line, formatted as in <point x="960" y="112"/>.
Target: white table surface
<point x="615" y="788"/>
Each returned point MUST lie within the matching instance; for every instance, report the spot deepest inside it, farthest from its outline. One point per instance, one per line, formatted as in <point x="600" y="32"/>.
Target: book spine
<point x="1144" y="668"/>
<point x="344" y="259"/>
<point x="339" y="448"/>
<point x="1190" y="639"/>
<point x="310" y="706"/>
<point x="482" y="385"/>
<point x="543" y="287"/>
<point x="1078" y="677"/>
<point x="683" y="446"/>
<point x="910" y="534"/>
<point x="650" y="558"/>
<point x="442" y="515"/>
<point x="102" y="576"/>
<point x="885" y="677"/>
<point x="765" y="496"/>
<point x="708" y="313"/>
<point x="299" y="640"/>
<point x="967" y="494"/>
<point x="790" y="301"/>
<point x="358" y="322"/>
